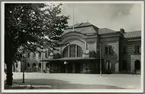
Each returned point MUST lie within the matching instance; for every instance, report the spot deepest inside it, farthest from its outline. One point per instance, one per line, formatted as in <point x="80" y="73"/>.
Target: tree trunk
<point x="9" y="77"/>
<point x="9" y="58"/>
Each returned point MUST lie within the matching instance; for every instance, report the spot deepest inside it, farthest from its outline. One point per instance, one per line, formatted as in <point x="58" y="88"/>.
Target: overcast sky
<point x="112" y="16"/>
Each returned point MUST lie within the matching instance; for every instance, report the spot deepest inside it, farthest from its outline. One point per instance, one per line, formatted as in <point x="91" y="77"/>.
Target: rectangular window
<point x="46" y="55"/>
<point x="34" y="54"/>
<point x="137" y="49"/>
<point x="109" y="50"/>
<point x="28" y="55"/>
<point x="79" y="52"/>
<point x="65" y="52"/>
<point x="125" y="49"/>
<point x="106" y="50"/>
<point x="39" y="54"/>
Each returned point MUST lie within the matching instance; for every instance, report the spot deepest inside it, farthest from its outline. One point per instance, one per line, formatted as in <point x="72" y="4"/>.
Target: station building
<point x="89" y="49"/>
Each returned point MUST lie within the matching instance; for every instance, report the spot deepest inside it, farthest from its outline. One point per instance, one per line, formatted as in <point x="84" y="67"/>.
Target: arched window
<point x="73" y="50"/>
<point x="28" y="65"/>
<point x="34" y="54"/>
<point x="47" y="65"/>
<point x="39" y="54"/>
<point x="34" y="64"/>
<point x="39" y="65"/>
<point x="16" y="65"/>
<point x="65" y="52"/>
<point x="28" y="54"/>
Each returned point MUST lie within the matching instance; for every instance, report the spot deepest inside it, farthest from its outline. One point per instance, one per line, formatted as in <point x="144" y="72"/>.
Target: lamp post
<point x="42" y="59"/>
<point x="23" y="68"/>
<point x="65" y="63"/>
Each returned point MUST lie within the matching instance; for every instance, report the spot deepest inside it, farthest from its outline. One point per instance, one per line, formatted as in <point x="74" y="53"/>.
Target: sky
<point x="106" y="15"/>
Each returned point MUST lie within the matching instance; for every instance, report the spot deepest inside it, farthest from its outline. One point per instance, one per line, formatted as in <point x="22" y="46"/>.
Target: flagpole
<point x="73" y="17"/>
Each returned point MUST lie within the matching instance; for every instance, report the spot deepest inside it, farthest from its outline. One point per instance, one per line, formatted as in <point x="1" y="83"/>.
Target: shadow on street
<point x="55" y="84"/>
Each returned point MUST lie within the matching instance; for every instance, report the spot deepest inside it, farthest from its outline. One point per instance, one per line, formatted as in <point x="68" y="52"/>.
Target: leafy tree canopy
<point x="32" y="26"/>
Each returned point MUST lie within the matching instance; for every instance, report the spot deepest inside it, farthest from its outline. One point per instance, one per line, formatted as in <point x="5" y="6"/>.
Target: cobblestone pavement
<point x="127" y="81"/>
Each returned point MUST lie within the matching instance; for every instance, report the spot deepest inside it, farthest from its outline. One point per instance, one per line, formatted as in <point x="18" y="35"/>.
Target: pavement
<point x="78" y="81"/>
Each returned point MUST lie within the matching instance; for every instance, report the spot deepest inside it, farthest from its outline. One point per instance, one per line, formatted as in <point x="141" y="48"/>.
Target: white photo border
<point x="72" y="90"/>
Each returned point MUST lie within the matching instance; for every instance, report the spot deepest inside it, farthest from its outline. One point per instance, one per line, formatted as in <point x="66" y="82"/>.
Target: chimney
<point x="122" y="30"/>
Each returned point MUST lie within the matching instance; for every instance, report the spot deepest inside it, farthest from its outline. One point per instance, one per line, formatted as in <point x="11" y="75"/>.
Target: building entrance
<point x="137" y="65"/>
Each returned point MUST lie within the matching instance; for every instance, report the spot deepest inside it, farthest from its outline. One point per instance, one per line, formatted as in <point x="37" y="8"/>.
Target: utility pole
<point x="100" y="61"/>
<point x="73" y="17"/>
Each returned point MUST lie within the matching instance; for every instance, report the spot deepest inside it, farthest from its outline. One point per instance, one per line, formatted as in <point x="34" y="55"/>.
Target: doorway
<point x="137" y="65"/>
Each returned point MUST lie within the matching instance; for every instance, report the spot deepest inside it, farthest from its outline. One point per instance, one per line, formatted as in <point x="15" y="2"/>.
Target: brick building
<point x="90" y="49"/>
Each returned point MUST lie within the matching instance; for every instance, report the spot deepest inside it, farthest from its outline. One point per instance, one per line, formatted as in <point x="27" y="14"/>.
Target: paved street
<point x="78" y="81"/>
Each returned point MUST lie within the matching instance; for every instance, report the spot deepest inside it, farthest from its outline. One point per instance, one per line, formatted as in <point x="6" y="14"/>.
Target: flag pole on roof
<point x="73" y="16"/>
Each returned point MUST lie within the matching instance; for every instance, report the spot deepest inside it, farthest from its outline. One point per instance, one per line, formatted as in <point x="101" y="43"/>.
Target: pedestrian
<point x="134" y="71"/>
<point x="48" y="69"/>
<point x="44" y="71"/>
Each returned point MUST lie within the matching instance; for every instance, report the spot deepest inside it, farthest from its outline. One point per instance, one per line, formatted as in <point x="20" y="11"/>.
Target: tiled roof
<point x="105" y="31"/>
<point x="132" y="34"/>
<point x="87" y="28"/>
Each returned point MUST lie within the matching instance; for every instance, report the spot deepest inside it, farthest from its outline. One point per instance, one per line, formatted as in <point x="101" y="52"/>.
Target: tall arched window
<point x="72" y="50"/>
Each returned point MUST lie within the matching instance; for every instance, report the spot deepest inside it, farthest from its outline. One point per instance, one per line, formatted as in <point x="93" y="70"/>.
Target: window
<point x="39" y="54"/>
<point x="137" y="49"/>
<point x="125" y="49"/>
<point x="108" y="64"/>
<point x="28" y="54"/>
<point x="34" y="64"/>
<point x="28" y="65"/>
<point x="79" y="51"/>
<point x="72" y="51"/>
<point x="34" y="54"/>
<point x="39" y="65"/>
<point x="46" y="54"/>
<point x="106" y="50"/>
<point x="16" y="65"/>
<point x="109" y="50"/>
<point x="65" y="52"/>
<point x="47" y="65"/>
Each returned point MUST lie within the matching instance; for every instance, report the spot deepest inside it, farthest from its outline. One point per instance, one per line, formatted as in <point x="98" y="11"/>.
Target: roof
<point x="81" y="25"/>
<point x="132" y="34"/>
<point x="88" y="28"/>
<point x="83" y="30"/>
<point x="105" y="31"/>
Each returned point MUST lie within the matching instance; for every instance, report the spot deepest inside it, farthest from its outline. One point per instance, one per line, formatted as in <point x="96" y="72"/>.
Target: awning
<point x="71" y="58"/>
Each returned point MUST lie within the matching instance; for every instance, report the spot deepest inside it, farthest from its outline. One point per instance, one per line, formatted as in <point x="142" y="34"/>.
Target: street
<point x="80" y="81"/>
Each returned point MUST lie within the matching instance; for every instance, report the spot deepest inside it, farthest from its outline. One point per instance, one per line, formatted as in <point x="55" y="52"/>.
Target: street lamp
<point x="23" y="68"/>
<point x="65" y="63"/>
<point x="42" y="55"/>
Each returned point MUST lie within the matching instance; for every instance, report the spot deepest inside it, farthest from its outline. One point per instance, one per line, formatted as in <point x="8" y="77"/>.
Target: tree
<point x="28" y="27"/>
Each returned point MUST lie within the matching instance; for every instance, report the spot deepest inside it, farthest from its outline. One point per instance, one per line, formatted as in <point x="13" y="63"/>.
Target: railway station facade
<point x="89" y="49"/>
